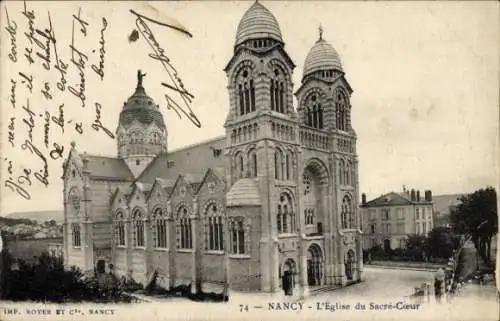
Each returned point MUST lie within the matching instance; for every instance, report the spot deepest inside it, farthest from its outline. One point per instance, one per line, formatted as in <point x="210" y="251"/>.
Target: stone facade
<point x="278" y="192"/>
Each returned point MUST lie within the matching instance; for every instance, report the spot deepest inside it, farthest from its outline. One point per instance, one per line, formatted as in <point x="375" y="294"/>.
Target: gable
<point x="389" y="199"/>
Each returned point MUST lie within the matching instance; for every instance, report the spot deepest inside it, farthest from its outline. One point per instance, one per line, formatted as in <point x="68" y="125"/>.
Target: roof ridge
<point x="197" y="144"/>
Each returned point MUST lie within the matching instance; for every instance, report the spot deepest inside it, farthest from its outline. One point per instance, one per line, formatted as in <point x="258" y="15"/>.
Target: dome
<point x="322" y="56"/>
<point x="257" y="23"/>
<point x="142" y="108"/>
<point x="244" y="192"/>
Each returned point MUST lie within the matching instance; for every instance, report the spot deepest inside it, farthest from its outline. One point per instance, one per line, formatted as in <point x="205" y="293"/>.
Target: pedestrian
<point x="439" y="283"/>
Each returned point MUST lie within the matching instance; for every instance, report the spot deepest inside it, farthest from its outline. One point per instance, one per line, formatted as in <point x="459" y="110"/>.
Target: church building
<point x="278" y="192"/>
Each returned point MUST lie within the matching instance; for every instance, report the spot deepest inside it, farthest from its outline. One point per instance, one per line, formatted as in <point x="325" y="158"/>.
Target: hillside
<point x="40" y="216"/>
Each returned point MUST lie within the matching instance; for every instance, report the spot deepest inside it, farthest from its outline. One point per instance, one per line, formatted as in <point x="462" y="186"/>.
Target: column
<point x="195" y="282"/>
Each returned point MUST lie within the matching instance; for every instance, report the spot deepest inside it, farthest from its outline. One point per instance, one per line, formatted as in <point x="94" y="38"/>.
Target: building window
<point x="238" y="235"/>
<point x="119" y="229"/>
<point x="424" y="227"/>
<point x="373" y="215"/>
<point x="160" y="228"/>
<point x="214" y="232"/>
<point x="279" y="164"/>
<point x="246" y="94"/>
<point x="138" y="222"/>
<point x="253" y="163"/>
<point x="401" y="228"/>
<point x="385" y="214"/>
<point x="314" y="112"/>
<point x="285" y="217"/>
<point x="240" y="165"/>
<point x="342" y="168"/>
<point x="387" y="228"/>
<point x="400" y="214"/>
<point x="418" y="228"/>
<point x="75" y="228"/>
<point x="184" y="232"/>
<point x="74" y="198"/>
<point x="277" y="92"/>
<point x="309" y="216"/>
<point x="347" y="217"/>
<point x="402" y="243"/>
<point x="372" y="226"/>
<point x="341" y="110"/>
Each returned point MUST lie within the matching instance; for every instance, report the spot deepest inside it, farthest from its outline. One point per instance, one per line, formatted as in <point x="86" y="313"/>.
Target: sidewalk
<point x="416" y="266"/>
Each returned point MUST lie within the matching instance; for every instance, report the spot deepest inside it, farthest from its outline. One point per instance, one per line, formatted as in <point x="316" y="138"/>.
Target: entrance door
<point x="314" y="265"/>
<point x="291" y="267"/>
<point x="101" y="266"/>
<point x="349" y="265"/>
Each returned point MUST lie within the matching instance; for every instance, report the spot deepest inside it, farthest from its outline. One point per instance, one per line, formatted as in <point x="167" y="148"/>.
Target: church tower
<point x="324" y="110"/>
<point x="262" y="133"/>
<point x="141" y="132"/>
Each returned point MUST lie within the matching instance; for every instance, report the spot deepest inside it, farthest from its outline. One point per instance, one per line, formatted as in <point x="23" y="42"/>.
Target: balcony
<point x="313" y="138"/>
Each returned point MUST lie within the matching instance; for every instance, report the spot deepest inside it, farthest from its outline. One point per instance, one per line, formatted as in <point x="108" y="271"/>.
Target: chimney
<point x="418" y="196"/>
<point x="412" y="195"/>
<point x="363" y="199"/>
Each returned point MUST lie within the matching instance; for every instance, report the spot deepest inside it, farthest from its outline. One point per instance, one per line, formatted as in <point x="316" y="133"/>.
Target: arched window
<point x="252" y="166"/>
<point x="278" y="159"/>
<point x="214" y="232"/>
<point x="184" y="232"/>
<point x="346" y="213"/>
<point x="341" y="172"/>
<point x="240" y="165"/>
<point x="341" y="110"/>
<point x="278" y="91"/>
<point x="119" y="229"/>
<point x="285" y="216"/>
<point x="239" y="234"/>
<point x="309" y="216"/>
<point x="138" y="223"/>
<point x="160" y="228"/>
<point x="348" y="173"/>
<point x="287" y="166"/>
<point x="314" y="112"/>
<point x="246" y="93"/>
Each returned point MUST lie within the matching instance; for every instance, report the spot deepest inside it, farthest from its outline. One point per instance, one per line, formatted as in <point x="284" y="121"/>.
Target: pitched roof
<point x="192" y="161"/>
<point x="392" y="199"/>
<point x="109" y="168"/>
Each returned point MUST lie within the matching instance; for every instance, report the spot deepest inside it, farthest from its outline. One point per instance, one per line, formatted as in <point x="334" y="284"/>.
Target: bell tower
<point x="262" y="131"/>
<point x="141" y="132"/>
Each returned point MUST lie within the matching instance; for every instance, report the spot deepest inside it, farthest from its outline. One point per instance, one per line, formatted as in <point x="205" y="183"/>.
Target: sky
<point x="424" y="75"/>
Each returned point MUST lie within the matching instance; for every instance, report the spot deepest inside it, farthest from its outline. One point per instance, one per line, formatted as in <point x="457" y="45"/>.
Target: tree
<point x="416" y="246"/>
<point x="441" y="242"/>
<point x="477" y="216"/>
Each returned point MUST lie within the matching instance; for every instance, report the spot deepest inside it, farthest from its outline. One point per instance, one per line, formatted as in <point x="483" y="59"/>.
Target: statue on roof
<point x="320" y="32"/>
<point x="140" y="75"/>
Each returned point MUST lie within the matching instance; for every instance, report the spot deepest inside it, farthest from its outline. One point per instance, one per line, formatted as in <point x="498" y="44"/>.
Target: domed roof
<point x="322" y="56"/>
<point x="257" y="23"/>
<point x="141" y="107"/>
<point x="244" y="192"/>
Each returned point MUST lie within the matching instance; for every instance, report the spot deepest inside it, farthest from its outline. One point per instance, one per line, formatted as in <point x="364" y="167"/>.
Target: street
<point x="381" y="283"/>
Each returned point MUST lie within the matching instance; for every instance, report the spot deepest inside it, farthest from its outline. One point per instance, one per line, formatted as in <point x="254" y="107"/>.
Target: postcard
<point x="263" y="160"/>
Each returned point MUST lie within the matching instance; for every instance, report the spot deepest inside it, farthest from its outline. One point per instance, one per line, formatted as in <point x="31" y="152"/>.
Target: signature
<point x="176" y="85"/>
